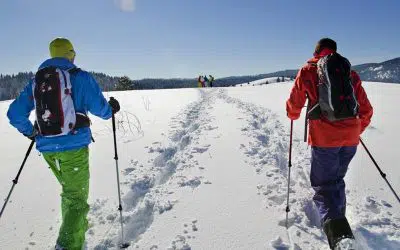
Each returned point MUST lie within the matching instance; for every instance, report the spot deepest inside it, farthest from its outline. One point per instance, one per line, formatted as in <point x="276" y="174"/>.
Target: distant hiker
<point x="199" y="82"/>
<point x="211" y="80"/>
<point x="206" y="81"/>
<point x="339" y="112"/>
<point x="61" y="95"/>
<point x="202" y="82"/>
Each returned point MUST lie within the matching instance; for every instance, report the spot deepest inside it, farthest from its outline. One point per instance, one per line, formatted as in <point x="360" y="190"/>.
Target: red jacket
<point x="324" y="133"/>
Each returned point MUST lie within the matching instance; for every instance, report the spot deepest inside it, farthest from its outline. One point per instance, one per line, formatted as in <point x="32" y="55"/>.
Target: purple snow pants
<point x="328" y="168"/>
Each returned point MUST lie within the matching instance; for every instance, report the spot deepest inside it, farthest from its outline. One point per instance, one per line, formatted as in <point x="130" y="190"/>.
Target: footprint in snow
<point x="294" y="218"/>
<point x="209" y="128"/>
<point x="385" y="203"/>
<point x="372" y="205"/>
<point x="278" y="199"/>
<point x="164" y="206"/>
<point x="279" y="244"/>
<point x="179" y="243"/>
<point x="127" y="171"/>
<point x="312" y="213"/>
<point x="199" y="150"/>
<point x="193" y="183"/>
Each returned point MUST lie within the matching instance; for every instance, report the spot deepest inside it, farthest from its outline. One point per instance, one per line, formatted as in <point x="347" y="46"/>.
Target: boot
<point x="337" y="230"/>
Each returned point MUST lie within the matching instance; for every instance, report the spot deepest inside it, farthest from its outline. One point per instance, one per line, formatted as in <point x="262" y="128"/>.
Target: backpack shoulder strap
<point x="82" y="119"/>
<point x="312" y="64"/>
<point x="74" y="70"/>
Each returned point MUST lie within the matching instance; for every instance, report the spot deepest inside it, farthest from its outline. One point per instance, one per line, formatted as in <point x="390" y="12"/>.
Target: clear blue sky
<point x="185" y="38"/>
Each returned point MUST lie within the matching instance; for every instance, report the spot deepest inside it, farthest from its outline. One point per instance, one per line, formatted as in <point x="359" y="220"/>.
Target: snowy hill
<point x="205" y="169"/>
<point x="388" y="71"/>
<point x="263" y="81"/>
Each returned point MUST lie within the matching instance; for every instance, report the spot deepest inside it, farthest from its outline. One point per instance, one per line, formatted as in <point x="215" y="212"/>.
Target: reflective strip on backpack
<point x="34" y="101"/>
<point x="355" y="110"/>
<point x="328" y="82"/>
<point x="67" y="102"/>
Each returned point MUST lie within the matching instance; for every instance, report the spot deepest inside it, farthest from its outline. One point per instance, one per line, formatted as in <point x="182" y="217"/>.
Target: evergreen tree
<point x="278" y="80"/>
<point x="124" y="83"/>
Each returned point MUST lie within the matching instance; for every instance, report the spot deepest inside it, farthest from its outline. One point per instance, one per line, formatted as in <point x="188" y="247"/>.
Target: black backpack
<point x="54" y="106"/>
<point x="336" y="96"/>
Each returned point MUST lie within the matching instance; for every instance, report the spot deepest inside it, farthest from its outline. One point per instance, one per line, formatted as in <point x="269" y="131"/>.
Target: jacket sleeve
<point x="20" y="109"/>
<point x="297" y="97"/>
<point x="94" y="99"/>
<point x="365" y="110"/>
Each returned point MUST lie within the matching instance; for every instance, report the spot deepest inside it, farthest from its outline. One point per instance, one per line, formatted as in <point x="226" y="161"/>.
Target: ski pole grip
<point x="115" y="137"/>
<point x="113" y="122"/>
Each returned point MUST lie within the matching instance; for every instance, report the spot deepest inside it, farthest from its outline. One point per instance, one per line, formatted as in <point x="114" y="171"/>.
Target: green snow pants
<point x="71" y="169"/>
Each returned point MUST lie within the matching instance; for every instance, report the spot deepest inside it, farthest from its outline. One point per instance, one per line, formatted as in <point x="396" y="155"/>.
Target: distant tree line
<point x="11" y="85"/>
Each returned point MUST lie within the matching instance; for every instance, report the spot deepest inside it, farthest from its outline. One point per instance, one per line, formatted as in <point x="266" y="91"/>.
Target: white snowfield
<point x="206" y="169"/>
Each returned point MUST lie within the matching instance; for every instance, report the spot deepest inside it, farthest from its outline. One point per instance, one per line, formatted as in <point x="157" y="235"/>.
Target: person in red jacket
<point x="333" y="144"/>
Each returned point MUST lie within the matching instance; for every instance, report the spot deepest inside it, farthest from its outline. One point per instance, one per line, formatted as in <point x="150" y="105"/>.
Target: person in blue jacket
<point x="67" y="155"/>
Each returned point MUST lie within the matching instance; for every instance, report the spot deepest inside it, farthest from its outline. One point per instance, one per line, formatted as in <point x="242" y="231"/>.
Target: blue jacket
<point x="87" y="96"/>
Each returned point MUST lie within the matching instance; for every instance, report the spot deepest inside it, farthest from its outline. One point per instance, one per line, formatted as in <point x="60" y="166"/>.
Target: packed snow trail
<point x="271" y="142"/>
<point x="147" y="184"/>
<point x="229" y="192"/>
<point x="267" y="152"/>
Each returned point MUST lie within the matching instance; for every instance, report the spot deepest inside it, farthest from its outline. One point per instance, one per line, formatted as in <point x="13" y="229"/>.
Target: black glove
<point x="114" y="105"/>
<point x="33" y="135"/>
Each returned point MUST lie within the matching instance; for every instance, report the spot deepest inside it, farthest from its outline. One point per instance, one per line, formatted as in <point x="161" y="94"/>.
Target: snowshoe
<point x="345" y="244"/>
<point x="58" y="247"/>
<point x="124" y="245"/>
<point x="338" y="230"/>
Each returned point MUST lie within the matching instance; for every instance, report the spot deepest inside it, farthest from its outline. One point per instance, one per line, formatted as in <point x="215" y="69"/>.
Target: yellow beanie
<point x="62" y="47"/>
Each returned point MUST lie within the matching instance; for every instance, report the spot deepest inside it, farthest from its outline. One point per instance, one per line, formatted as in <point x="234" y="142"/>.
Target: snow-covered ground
<point x="205" y="169"/>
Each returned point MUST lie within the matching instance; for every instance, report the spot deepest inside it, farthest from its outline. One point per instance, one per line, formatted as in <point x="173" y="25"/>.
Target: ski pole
<point x="379" y="169"/>
<point x="15" y="181"/>
<point x="290" y="166"/>
<point x="305" y="129"/>
<point x="306" y="120"/>
<point x="122" y="244"/>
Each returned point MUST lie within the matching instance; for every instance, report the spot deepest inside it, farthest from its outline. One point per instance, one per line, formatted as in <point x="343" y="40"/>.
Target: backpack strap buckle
<point x="82" y="120"/>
